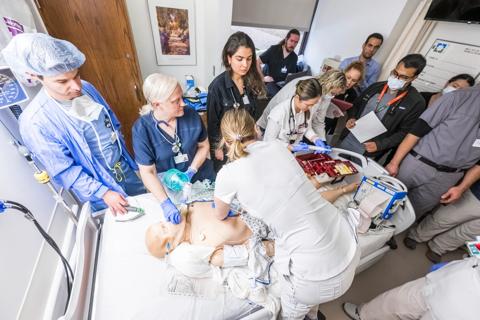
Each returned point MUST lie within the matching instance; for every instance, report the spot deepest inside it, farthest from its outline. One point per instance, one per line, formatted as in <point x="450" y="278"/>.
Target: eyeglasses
<point x="399" y="76"/>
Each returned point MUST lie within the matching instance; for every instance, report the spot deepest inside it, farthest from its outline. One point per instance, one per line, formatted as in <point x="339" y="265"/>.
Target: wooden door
<point x="101" y="30"/>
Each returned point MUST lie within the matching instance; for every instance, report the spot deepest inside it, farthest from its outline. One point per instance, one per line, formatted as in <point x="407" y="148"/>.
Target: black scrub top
<point x="273" y="57"/>
<point x="222" y="94"/>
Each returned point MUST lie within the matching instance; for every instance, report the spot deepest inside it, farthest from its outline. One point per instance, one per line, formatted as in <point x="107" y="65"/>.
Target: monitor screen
<point x="467" y="11"/>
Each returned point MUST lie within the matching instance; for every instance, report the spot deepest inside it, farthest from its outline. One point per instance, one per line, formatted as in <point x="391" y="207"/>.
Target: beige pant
<point x="401" y="303"/>
<point x="450" y="226"/>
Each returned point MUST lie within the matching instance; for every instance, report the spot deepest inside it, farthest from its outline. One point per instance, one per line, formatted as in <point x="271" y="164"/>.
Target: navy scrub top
<point x="151" y="148"/>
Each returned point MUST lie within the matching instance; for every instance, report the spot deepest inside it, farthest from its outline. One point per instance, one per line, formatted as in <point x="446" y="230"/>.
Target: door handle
<point x="137" y="92"/>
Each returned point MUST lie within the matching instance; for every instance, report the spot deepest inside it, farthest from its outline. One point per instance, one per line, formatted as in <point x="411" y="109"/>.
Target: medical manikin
<point x="221" y="243"/>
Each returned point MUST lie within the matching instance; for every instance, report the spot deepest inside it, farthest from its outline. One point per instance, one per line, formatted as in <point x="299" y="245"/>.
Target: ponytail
<point x="237" y="127"/>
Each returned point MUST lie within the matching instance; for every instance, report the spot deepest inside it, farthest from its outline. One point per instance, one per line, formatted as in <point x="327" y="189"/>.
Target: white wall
<point x="340" y="27"/>
<point x="213" y="26"/>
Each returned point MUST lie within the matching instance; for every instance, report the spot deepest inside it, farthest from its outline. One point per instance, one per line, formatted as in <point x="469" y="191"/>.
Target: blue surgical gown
<point x="151" y="148"/>
<point x="60" y="145"/>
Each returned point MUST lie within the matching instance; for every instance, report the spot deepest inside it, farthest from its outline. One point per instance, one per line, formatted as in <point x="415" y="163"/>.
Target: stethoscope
<point x="97" y="136"/>
<point x="176" y="144"/>
<point x="291" y="119"/>
<point x="236" y="105"/>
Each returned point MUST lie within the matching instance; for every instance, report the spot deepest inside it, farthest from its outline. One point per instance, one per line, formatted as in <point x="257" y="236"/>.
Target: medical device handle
<point x="393" y="181"/>
<point x="363" y="160"/>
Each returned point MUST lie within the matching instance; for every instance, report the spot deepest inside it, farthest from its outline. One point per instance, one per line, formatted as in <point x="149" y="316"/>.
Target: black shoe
<point x="410" y="243"/>
<point x="432" y="256"/>
<point x="320" y="316"/>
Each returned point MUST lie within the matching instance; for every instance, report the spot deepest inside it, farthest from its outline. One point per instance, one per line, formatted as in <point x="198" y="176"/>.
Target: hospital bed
<point x="116" y="278"/>
<point x="375" y="243"/>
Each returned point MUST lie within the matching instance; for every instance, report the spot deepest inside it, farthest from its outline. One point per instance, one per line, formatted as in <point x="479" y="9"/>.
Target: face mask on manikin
<point x="448" y="89"/>
<point x="395" y="84"/>
<point x="85" y="108"/>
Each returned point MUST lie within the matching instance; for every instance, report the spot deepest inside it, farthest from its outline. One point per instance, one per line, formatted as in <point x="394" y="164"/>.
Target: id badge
<point x="283" y="70"/>
<point x="292" y="137"/>
<point x="245" y="100"/>
<point x="180" y="158"/>
<point x="476" y="144"/>
<point x="114" y="137"/>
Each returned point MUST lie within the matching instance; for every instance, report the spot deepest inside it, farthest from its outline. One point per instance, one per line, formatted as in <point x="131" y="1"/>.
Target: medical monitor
<point x="466" y="11"/>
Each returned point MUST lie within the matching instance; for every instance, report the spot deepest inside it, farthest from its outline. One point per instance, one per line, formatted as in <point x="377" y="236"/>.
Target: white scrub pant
<point x="405" y="302"/>
<point x="301" y="297"/>
<point x="450" y="226"/>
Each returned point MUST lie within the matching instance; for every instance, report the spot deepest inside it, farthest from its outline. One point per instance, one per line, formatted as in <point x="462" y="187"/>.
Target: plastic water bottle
<point x="175" y="180"/>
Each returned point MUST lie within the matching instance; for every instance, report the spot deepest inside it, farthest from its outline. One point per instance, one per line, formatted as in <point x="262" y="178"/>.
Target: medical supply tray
<point x="318" y="164"/>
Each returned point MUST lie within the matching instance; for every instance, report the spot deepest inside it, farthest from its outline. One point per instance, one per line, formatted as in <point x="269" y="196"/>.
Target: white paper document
<point x="368" y="127"/>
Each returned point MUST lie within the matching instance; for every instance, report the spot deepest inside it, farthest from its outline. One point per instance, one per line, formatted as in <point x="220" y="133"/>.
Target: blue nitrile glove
<point x="302" y="146"/>
<point x="320" y="143"/>
<point x="229" y="214"/>
<point x="437" y="266"/>
<point x="190" y="173"/>
<point x="170" y="212"/>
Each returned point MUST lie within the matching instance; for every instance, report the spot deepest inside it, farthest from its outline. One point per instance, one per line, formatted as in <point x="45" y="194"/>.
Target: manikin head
<point x="163" y="237"/>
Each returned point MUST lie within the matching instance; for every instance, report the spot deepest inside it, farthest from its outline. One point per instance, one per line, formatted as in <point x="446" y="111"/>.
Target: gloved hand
<point x="320" y="143"/>
<point x="171" y="212"/>
<point x="302" y="146"/>
<point x="229" y="214"/>
<point x="190" y="173"/>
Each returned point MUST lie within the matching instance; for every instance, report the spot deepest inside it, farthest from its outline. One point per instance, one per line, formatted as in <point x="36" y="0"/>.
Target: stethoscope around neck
<point x="176" y="144"/>
<point x="292" y="130"/>
<point x="236" y="105"/>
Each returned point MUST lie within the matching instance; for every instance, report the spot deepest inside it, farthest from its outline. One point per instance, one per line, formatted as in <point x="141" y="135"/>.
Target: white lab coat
<point x="318" y="111"/>
<point x="281" y="124"/>
<point x="313" y="241"/>
<point x="453" y="292"/>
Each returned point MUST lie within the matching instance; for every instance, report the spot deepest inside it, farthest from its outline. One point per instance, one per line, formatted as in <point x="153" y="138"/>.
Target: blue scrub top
<point x="151" y="148"/>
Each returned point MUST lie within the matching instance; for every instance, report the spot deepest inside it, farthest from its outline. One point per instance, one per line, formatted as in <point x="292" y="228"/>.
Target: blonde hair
<point x="237" y="127"/>
<point x="332" y="79"/>
<point x="157" y="87"/>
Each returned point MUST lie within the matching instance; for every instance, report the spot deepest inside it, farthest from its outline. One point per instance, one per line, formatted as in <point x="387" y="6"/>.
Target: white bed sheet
<point x="131" y="284"/>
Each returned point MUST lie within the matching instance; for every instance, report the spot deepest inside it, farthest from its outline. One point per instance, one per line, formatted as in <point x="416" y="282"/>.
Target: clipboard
<point x="343" y="105"/>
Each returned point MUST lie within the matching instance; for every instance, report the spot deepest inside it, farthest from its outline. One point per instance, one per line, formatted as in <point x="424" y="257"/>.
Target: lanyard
<point x="95" y="131"/>
<point x="176" y="144"/>
<point x="291" y="118"/>
<point x="389" y="103"/>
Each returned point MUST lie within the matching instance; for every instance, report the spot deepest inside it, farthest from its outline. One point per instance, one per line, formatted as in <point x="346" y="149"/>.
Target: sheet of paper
<point x="368" y="127"/>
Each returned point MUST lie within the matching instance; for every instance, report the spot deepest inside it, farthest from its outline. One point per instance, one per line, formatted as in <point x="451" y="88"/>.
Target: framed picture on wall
<point x="173" y="30"/>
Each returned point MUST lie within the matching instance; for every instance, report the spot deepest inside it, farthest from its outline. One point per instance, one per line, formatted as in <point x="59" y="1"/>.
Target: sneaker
<point x="432" y="256"/>
<point x="351" y="310"/>
<point x="410" y="243"/>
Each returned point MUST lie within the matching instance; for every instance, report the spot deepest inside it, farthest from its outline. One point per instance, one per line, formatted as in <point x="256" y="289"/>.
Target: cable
<point x="7" y="204"/>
